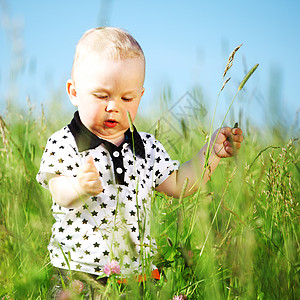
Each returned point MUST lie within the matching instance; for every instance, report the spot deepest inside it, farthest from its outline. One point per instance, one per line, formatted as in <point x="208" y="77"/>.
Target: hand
<point x="88" y="178"/>
<point x="228" y="141"/>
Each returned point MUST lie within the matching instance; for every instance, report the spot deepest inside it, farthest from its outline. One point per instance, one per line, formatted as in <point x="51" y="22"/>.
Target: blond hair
<point x="111" y="42"/>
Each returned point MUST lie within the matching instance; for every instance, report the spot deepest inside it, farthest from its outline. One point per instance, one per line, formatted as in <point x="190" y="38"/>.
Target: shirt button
<point x="119" y="171"/>
<point x="116" y="154"/>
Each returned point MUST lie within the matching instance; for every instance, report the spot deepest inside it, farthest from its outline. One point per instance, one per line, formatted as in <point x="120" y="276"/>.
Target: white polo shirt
<point x="116" y="223"/>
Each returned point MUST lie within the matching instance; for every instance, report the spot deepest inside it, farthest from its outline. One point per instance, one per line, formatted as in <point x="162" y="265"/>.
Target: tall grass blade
<point x="248" y="75"/>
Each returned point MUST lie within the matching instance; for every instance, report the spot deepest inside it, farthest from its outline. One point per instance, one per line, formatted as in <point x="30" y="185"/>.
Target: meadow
<point x="236" y="238"/>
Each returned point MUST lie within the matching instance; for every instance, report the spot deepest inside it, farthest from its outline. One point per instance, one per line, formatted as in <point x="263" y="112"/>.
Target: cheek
<point x="133" y="110"/>
<point x="92" y="111"/>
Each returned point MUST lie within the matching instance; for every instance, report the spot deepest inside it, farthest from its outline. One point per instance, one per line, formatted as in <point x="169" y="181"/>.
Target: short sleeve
<point x="60" y="157"/>
<point x="162" y="166"/>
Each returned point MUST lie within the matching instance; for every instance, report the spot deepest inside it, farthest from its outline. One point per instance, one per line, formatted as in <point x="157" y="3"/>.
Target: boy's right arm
<point x="71" y="192"/>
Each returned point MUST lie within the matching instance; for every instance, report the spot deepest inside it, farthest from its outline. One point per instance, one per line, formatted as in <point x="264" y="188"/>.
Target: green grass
<point x="244" y="245"/>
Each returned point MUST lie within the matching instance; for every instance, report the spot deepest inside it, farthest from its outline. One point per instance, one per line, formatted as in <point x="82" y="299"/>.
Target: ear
<point x="71" y="90"/>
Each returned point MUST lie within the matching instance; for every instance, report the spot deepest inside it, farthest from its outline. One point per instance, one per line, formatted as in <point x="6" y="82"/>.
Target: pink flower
<point x="179" y="297"/>
<point x="112" y="268"/>
<point x="77" y="286"/>
<point x="64" y="295"/>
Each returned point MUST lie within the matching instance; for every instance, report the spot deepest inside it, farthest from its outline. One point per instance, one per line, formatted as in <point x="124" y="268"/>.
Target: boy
<point x="100" y="174"/>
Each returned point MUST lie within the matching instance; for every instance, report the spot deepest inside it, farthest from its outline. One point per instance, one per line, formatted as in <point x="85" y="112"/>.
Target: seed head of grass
<point x="183" y="190"/>
<point x="157" y="128"/>
<point x="248" y="75"/>
<point x="130" y="122"/>
<point x="225" y="83"/>
<point x="230" y="59"/>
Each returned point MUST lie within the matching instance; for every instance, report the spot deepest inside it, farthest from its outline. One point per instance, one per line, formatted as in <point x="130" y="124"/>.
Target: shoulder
<point x="61" y="139"/>
<point x="60" y="143"/>
<point x="147" y="137"/>
<point x="61" y="135"/>
<point x="153" y="147"/>
<point x="149" y="140"/>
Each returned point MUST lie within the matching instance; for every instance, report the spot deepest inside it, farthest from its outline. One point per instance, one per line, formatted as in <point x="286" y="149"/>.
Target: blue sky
<point x="186" y="44"/>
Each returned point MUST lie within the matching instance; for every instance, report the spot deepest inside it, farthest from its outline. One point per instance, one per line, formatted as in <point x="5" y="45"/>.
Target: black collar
<point x="86" y="140"/>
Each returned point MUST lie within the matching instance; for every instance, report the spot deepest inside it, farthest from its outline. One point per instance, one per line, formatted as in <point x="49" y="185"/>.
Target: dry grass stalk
<point x="230" y="59"/>
<point x="225" y="83"/>
<point x="3" y="129"/>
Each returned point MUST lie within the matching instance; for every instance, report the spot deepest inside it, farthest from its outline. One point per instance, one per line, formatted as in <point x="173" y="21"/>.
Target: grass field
<point x="237" y="238"/>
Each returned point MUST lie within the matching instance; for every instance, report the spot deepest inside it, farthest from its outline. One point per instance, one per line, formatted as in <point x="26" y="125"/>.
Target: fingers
<point x="90" y="167"/>
<point x="227" y="131"/>
<point x="228" y="141"/>
<point x="231" y="148"/>
<point x="93" y="187"/>
<point x="233" y="140"/>
<point x="237" y="131"/>
<point x="89" y="163"/>
<point x="90" y="160"/>
<point x="88" y="177"/>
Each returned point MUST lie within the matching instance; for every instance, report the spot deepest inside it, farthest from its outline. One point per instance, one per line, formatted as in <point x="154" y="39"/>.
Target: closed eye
<point x="100" y="96"/>
<point x="126" y="99"/>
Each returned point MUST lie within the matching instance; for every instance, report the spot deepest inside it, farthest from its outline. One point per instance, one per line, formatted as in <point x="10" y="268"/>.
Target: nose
<point x="111" y="106"/>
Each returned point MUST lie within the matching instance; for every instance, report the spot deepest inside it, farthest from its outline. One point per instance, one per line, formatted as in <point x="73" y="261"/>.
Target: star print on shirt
<point x="103" y="205"/>
<point x="94" y="213"/>
<point x="101" y="222"/>
<point x="104" y="221"/>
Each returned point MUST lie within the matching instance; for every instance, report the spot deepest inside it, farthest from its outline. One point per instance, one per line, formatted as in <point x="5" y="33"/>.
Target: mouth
<point x="110" y="123"/>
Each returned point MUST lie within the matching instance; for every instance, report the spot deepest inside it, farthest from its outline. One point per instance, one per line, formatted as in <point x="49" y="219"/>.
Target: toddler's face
<point x="104" y="90"/>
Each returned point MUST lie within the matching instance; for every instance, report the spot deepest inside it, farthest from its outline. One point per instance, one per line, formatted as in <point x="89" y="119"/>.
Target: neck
<point x="117" y="141"/>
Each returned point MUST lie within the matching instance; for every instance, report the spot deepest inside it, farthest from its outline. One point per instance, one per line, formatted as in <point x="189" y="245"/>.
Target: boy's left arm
<point x="227" y="142"/>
